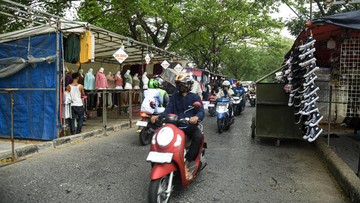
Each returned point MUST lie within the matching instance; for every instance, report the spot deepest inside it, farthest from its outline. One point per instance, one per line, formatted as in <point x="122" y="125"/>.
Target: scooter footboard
<point x="160" y="170"/>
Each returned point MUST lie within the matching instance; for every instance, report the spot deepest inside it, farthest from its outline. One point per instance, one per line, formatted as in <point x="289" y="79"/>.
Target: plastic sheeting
<point x="12" y="65"/>
<point x="35" y="110"/>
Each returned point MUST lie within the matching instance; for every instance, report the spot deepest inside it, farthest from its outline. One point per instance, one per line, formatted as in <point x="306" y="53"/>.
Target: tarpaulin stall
<point x="36" y="78"/>
<point x="31" y="65"/>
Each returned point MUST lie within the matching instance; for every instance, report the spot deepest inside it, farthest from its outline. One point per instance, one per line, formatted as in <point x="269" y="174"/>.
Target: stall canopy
<point x="106" y="42"/>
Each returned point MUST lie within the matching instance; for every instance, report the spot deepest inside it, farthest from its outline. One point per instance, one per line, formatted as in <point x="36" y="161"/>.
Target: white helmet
<point x="226" y="83"/>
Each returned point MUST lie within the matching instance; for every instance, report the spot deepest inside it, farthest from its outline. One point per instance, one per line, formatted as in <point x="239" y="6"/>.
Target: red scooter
<point x="167" y="155"/>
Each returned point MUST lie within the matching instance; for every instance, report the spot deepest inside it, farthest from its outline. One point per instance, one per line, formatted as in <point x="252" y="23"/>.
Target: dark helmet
<point x="153" y="83"/>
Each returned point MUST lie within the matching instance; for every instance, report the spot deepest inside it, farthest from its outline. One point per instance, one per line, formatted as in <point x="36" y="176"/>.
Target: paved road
<point x="112" y="169"/>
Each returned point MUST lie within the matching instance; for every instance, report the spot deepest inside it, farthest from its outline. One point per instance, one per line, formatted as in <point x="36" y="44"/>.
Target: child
<point x="67" y="106"/>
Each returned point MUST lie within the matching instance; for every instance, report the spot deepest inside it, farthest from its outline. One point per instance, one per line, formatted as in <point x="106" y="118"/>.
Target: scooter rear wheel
<point x="145" y="136"/>
<point x="157" y="190"/>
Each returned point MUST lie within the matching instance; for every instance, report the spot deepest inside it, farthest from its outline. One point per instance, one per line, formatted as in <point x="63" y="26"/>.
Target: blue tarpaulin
<point x="35" y="111"/>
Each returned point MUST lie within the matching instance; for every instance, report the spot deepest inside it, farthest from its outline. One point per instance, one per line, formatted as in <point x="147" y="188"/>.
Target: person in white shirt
<point x="77" y="106"/>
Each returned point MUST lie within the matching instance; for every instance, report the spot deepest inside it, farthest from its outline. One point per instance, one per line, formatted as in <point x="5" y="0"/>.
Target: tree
<point x="229" y="23"/>
<point x="320" y="9"/>
<point x="252" y="62"/>
<point x="20" y="20"/>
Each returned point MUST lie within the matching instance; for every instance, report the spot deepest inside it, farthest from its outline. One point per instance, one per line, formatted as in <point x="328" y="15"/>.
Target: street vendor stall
<point x="32" y="65"/>
<point x="320" y="79"/>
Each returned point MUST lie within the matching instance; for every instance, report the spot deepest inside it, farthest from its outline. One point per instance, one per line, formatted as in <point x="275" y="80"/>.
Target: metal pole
<point x="311" y="10"/>
<point x="58" y="79"/>
<point x="104" y="112"/>
<point x="12" y="125"/>
<point x="358" y="171"/>
<point x="130" y="107"/>
<point x="329" y="115"/>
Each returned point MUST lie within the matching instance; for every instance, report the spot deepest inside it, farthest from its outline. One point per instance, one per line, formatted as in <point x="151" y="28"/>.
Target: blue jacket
<point x="178" y="104"/>
<point x="239" y="91"/>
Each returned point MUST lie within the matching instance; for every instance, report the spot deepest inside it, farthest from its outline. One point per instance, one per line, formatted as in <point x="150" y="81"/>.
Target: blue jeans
<point x="77" y="112"/>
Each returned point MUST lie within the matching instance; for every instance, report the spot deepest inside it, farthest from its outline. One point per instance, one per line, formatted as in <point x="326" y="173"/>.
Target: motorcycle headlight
<point x="165" y="136"/>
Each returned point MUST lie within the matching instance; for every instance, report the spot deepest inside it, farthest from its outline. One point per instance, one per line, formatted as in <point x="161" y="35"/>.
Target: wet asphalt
<point x="113" y="169"/>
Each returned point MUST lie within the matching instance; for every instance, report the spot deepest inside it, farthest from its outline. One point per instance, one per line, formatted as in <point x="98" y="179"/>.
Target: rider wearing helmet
<point x="226" y="92"/>
<point x="239" y="89"/>
<point x="164" y="94"/>
<point x="179" y="102"/>
<point x="153" y="100"/>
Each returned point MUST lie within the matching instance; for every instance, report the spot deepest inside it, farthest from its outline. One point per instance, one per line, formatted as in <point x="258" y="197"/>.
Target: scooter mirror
<point x="197" y="105"/>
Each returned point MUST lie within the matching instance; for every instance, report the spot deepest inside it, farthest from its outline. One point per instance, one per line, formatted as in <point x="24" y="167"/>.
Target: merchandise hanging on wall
<point x="300" y="72"/>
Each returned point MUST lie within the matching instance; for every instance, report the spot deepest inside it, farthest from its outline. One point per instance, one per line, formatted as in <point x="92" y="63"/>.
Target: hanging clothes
<point x="68" y="78"/>
<point x="86" y="47"/>
<point x="101" y="81"/>
<point x="92" y="47"/>
<point x="72" y="48"/>
<point x="67" y="105"/>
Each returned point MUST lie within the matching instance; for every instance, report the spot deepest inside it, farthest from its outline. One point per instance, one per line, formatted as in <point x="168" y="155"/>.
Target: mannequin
<point x="81" y="78"/>
<point x="89" y="82"/>
<point x="136" y="81"/>
<point x="119" y="83"/>
<point x="110" y="80"/>
<point x="100" y="80"/>
<point x="145" y="80"/>
<point x="128" y="80"/>
<point x="111" y="84"/>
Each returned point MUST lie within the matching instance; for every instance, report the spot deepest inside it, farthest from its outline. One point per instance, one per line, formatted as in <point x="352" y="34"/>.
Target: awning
<point x="106" y="42"/>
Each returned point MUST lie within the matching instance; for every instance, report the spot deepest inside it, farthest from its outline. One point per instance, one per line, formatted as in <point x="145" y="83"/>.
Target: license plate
<point x="159" y="157"/>
<point x="211" y="105"/>
<point x="142" y="123"/>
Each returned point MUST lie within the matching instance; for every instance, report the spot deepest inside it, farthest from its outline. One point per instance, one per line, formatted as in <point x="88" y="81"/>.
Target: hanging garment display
<point x="300" y="73"/>
<point x="72" y="48"/>
<point x="86" y="47"/>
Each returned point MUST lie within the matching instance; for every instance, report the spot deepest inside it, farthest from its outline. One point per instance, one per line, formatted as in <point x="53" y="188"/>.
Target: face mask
<point x="181" y="88"/>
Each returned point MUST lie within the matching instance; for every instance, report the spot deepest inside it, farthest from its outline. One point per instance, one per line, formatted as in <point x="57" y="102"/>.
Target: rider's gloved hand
<point x="194" y="120"/>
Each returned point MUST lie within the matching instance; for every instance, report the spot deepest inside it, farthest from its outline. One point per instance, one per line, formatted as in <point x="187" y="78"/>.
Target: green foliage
<point x="253" y="62"/>
<point x="8" y="24"/>
<point x="320" y="9"/>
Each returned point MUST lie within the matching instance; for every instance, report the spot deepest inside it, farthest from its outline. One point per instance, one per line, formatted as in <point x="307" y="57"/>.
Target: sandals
<point x="188" y="175"/>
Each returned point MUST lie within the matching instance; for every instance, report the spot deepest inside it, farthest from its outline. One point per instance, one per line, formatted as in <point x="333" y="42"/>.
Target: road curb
<point x="63" y="141"/>
<point x="342" y="173"/>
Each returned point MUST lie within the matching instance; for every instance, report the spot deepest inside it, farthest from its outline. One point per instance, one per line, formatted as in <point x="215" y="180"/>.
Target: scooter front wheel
<point x="145" y="136"/>
<point x="220" y="124"/>
<point x="158" y="190"/>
